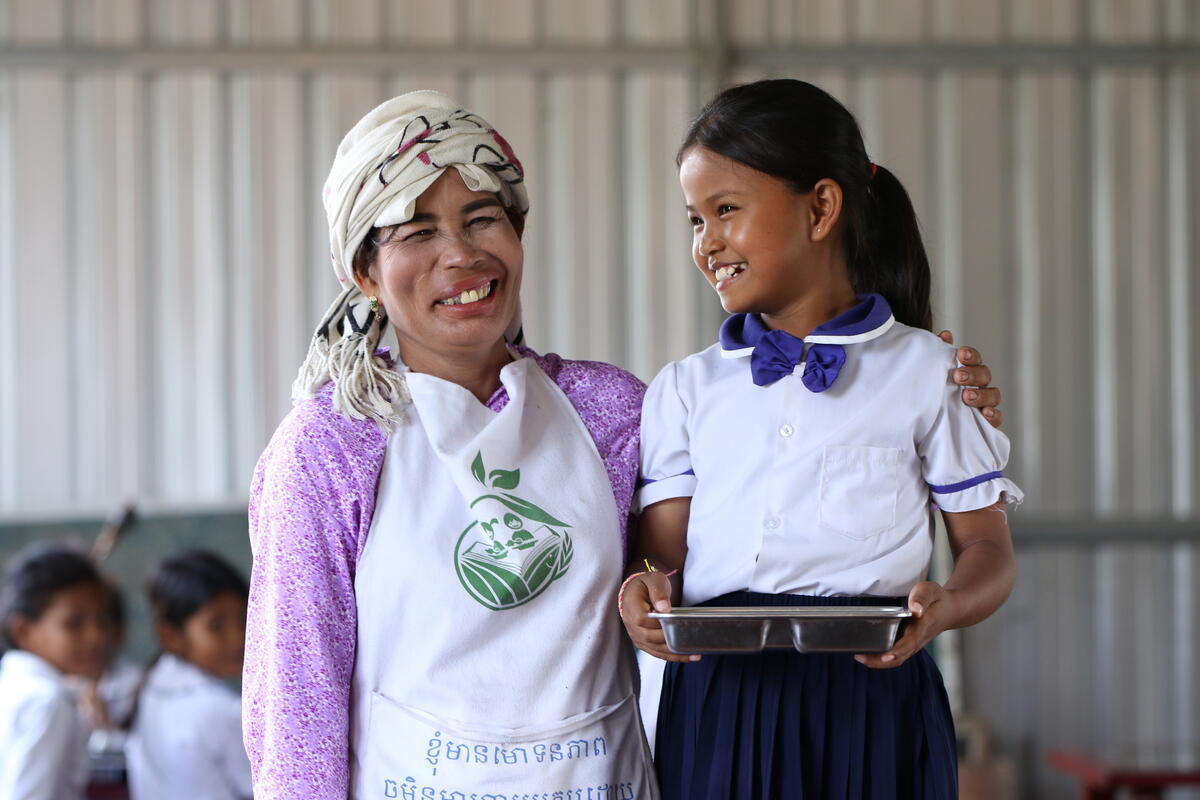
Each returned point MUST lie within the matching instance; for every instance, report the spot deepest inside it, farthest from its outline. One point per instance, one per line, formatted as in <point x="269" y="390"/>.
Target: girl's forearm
<point x="984" y="564"/>
<point x="662" y="541"/>
<point x="658" y="559"/>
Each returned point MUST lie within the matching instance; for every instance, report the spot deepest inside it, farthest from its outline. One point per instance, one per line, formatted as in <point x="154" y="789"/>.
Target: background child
<point x="53" y="623"/>
<point x="796" y="463"/>
<point x="118" y="687"/>
<point x="107" y="703"/>
<point x="187" y="731"/>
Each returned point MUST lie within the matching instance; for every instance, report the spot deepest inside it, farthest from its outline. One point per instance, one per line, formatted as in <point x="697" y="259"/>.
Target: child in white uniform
<point x="798" y="461"/>
<point x="53" y="623"/>
<point x="187" y="732"/>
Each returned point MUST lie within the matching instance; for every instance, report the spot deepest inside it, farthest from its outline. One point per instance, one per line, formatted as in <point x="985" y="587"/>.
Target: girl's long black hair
<point x="34" y="576"/>
<point x="800" y="134"/>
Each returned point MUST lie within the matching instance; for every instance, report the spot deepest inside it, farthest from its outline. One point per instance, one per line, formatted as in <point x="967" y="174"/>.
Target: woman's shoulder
<point x="314" y="426"/>
<point x="590" y="379"/>
<point x="318" y="449"/>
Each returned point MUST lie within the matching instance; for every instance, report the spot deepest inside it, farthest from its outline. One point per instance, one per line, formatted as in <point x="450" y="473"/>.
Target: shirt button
<point x="786" y="430"/>
<point x="773" y="523"/>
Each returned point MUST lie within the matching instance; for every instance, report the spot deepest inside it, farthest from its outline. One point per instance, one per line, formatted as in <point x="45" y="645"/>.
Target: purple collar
<point x="871" y="318"/>
<point x="775" y="354"/>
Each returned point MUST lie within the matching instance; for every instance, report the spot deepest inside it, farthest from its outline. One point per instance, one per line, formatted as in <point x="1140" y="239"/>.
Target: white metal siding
<point x="163" y="249"/>
<point x="163" y="242"/>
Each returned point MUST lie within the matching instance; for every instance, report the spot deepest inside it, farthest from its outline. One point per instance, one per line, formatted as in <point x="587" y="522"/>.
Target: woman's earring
<point x="373" y="303"/>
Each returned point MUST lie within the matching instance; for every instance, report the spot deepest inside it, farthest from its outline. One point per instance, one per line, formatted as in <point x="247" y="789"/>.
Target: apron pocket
<point x="858" y="490"/>
<point x="412" y="753"/>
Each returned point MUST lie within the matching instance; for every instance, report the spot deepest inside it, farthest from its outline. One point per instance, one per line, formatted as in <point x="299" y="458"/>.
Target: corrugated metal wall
<point x="1096" y="651"/>
<point x="162" y="245"/>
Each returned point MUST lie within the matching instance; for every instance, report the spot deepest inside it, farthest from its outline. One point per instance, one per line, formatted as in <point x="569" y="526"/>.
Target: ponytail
<point x="893" y="262"/>
<point x="793" y="131"/>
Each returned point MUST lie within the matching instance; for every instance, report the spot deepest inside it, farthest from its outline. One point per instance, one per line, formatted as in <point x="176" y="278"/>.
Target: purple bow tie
<point x="778" y="352"/>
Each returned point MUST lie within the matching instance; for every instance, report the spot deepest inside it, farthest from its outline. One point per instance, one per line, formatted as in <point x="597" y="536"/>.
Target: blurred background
<point x="164" y="258"/>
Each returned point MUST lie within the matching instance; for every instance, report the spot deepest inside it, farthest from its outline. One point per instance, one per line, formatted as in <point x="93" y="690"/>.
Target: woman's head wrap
<point x="382" y="166"/>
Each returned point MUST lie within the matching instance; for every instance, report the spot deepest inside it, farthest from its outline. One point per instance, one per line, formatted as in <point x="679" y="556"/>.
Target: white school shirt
<point x="830" y="492"/>
<point x="43" y="742"/>
<point x="187" y="737"/>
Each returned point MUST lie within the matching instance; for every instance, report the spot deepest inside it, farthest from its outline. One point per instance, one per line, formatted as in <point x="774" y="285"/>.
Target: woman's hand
<point x="933" y="609"/>
<point x="641" y="593"/>
<point x="976" y="376"/>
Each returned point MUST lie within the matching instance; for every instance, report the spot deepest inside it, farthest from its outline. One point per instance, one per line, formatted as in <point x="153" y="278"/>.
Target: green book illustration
<point x="514" y="549"/>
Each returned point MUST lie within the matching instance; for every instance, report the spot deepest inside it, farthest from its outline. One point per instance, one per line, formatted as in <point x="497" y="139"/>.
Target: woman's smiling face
<point x="449" y="278"/>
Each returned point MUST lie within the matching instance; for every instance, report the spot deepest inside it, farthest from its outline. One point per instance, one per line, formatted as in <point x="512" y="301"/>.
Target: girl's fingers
<point x="643" y="594"/>
<point x="921" y="597"/>
<point x="889" y="660"/>
<point x="667" y="655"/>
<point x="653" y="636"/>
<point x="654" y="642"/>
<point x="912" y="640"/>
<point x="639" y="617"/>
<point x="659" y="649"/>
<point x="899" y="653"/>
<point x="658" y="587"/>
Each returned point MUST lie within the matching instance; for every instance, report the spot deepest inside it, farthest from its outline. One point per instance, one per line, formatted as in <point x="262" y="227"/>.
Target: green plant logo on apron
<point x="514" y="556"/>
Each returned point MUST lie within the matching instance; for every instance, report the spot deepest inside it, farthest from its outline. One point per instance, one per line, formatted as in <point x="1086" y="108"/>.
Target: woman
<point x="438" y="538"/>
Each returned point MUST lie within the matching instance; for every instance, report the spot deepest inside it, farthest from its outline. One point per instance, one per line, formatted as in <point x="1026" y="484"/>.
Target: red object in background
<point x="1100" y="780"/>
<point x="107" y="791"/>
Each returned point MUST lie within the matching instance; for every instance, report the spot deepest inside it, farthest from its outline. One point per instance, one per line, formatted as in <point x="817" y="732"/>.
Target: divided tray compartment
<point x="807" y="629"/>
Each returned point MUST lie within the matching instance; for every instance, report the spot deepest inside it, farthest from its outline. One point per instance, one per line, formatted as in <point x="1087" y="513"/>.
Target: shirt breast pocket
<point x="859" y="485"/>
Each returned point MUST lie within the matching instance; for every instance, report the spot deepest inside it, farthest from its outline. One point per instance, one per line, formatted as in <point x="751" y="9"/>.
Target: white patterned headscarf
<point x="382" y="166"/>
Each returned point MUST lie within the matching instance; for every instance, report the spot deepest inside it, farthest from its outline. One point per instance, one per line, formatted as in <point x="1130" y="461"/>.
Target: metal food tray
<point x="808" y="629"/>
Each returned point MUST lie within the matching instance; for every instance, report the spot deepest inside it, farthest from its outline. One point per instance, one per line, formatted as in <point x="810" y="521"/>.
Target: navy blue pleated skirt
<point x="783" y="725"/>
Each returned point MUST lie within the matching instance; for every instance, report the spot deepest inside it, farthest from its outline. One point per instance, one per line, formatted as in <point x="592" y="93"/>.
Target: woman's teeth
<point x="469" y="296"/>
<point x="729" y="271"/>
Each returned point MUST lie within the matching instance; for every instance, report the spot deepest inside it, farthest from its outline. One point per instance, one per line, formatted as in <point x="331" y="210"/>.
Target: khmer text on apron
<point x="490" y="662"/>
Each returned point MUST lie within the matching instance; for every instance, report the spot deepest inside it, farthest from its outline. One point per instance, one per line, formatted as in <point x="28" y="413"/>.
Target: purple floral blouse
<point x="311" y="504"/>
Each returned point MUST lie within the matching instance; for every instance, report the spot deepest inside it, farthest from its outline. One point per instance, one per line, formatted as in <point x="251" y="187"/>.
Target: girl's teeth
<point x="726" y="272"/>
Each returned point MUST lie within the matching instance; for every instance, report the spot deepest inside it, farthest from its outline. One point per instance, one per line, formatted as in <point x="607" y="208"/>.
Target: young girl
<point x="53" y="623"/>
<point x="797" y="462"/>
<point x="187" y="732"/>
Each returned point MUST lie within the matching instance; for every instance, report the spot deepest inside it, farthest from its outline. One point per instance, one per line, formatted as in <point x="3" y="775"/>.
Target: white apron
<point x="491" y="663"/>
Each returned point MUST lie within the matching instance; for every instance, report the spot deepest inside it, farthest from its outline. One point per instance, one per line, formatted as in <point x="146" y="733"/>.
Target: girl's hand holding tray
<point x="642" y="593"/>
<point x="983" y="575"/>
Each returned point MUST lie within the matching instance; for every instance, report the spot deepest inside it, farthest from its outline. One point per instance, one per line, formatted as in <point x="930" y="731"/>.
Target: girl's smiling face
<point x="756" y="240"/>
<point x="450" y="278"/>
<point x="72" y="633"/>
